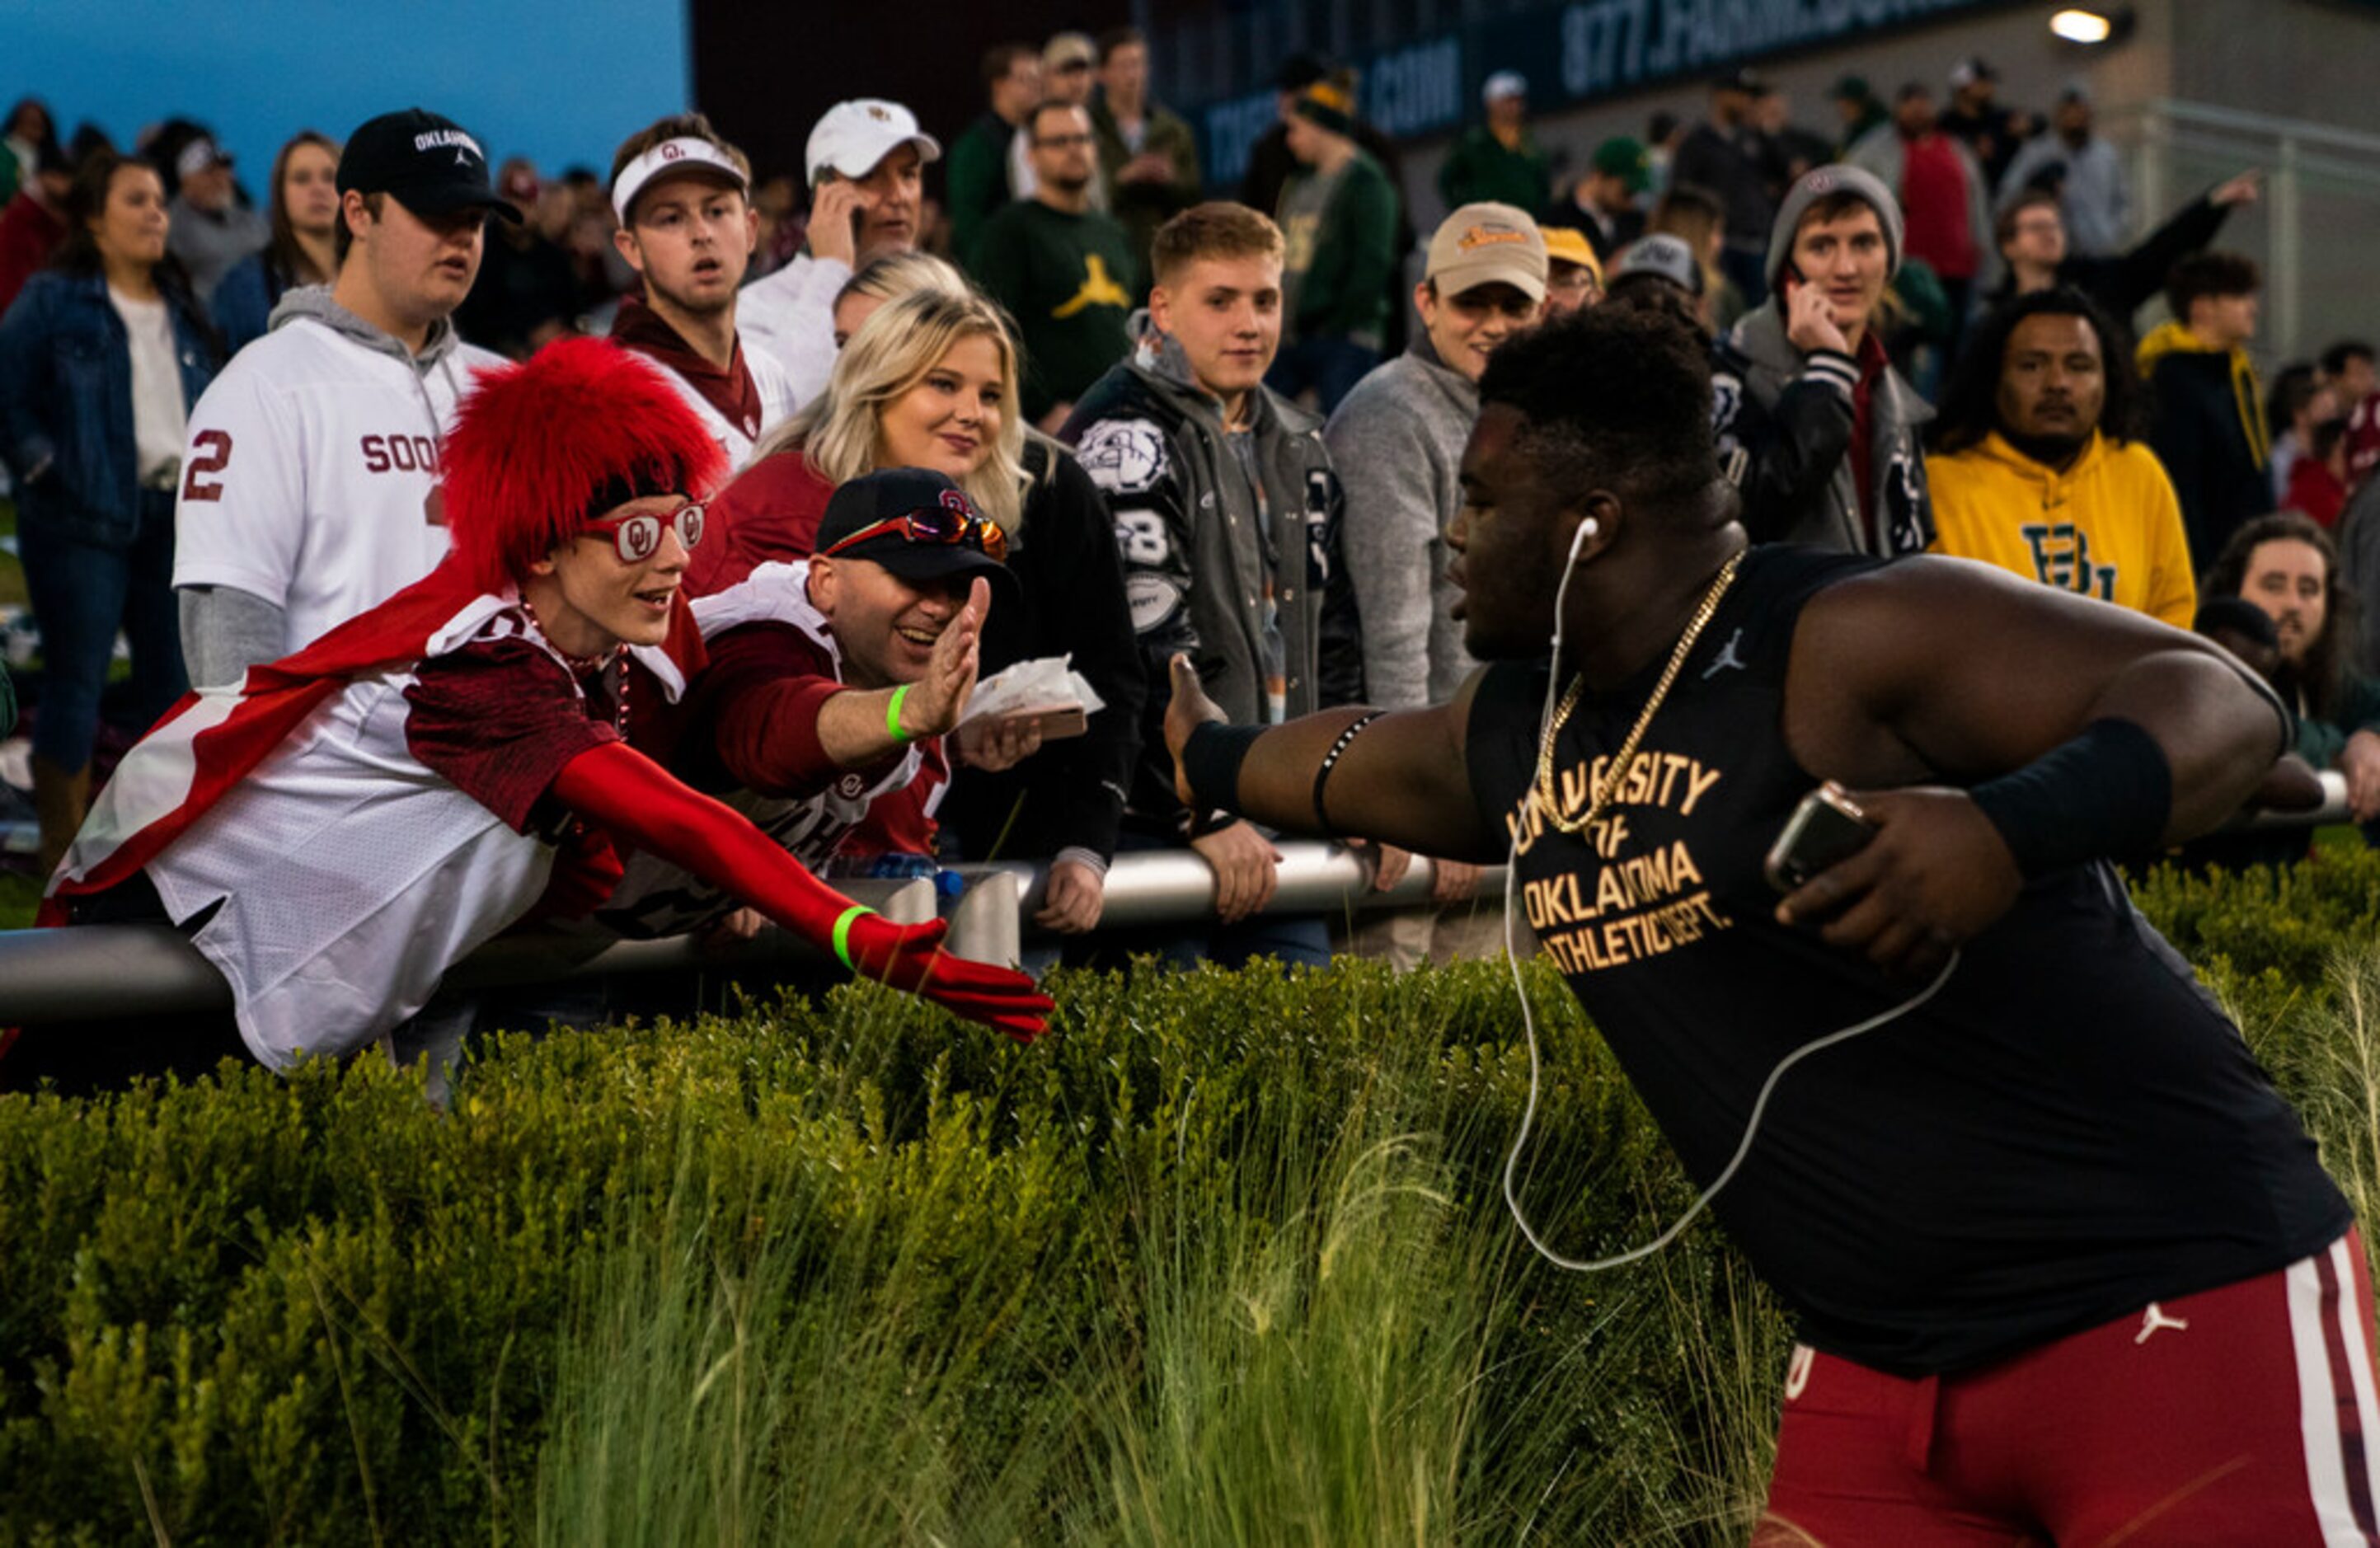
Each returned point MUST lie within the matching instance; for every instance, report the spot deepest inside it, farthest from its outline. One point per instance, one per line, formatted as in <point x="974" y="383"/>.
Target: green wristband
<point x="842" y="932"/>
<point x="893" y="713"/>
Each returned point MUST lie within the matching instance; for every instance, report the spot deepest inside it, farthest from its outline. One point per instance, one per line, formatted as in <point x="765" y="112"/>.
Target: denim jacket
<point x="65" y="404"/>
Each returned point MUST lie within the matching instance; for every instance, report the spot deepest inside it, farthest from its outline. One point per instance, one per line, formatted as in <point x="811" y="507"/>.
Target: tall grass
<point x="1323" y="1332"/>
<point x="1223" y="1261"/>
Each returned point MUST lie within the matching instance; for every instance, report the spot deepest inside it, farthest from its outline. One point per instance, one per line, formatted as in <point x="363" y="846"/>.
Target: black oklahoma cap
<point x="899" y="491"/>
<point x="428" y="162"/>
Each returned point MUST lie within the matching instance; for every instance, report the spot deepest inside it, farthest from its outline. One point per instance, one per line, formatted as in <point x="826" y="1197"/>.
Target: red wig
<point x="540" y="447"/>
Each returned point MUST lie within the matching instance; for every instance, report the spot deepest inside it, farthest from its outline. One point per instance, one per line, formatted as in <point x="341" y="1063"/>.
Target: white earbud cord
<point x="1529" y="1023"/>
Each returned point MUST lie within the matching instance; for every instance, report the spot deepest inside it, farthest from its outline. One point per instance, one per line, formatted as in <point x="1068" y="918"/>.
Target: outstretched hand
<point x="911" y="957"/>
<point x="1936" y="875"/>
<point x="937" y="701"/>
<point x="1189" y="709"/>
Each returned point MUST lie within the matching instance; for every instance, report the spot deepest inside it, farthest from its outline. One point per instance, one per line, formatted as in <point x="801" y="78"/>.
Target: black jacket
<point x="1201" y="543"/>
<point x="2208" y="428"/>
<point x="1071" y="794"/>
<point x="1792" y="415"/>
<point x="2124" y="283"/>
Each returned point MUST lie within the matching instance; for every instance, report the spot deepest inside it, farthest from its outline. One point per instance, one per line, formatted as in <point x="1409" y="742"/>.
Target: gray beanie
<point x="1815" y="185"/>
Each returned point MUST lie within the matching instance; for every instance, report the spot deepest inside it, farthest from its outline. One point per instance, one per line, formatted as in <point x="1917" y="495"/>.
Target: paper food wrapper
<point x="1048" y="688"/>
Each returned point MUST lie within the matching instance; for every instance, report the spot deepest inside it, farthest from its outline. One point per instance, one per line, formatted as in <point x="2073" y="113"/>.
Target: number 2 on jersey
<point x="210" y="453"/>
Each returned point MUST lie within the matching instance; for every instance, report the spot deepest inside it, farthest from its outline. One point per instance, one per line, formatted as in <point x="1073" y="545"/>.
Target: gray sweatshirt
<point x="1397" y="442"/>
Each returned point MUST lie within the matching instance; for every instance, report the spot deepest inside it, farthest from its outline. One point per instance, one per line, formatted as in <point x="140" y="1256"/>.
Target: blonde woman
<point x="930" y="379"/>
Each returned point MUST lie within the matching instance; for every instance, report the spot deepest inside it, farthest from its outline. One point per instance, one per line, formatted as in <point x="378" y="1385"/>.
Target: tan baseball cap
<point x="1487" y="243"/>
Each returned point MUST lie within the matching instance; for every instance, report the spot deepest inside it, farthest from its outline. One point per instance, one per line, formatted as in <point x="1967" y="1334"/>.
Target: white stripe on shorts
<point x="2325" y="1448"/>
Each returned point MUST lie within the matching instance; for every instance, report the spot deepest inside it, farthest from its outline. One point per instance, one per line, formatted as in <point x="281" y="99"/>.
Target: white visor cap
<point x="685" y="153"/>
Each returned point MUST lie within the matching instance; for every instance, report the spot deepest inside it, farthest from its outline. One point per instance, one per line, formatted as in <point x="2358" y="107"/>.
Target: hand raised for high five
<point x="938" y="700"/>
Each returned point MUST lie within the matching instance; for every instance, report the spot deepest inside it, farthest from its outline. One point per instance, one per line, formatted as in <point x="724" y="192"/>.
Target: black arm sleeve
<point x="2126" y="283"/>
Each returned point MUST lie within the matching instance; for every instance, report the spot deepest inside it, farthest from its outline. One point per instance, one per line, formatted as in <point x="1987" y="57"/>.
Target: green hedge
<point x="1224" y="1261"/>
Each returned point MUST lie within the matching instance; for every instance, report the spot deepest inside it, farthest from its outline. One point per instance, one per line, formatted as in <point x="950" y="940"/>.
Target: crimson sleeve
<point x="637" y="800"/>
<point x="757" y="711"/>
<point x="499" y="720"/>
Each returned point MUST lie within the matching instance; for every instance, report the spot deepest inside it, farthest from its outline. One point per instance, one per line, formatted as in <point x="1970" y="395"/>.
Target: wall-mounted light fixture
<point x="2093" y="26"/>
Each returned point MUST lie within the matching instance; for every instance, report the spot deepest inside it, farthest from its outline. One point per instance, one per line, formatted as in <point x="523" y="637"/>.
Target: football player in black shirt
<point x="2064" y="1264"/>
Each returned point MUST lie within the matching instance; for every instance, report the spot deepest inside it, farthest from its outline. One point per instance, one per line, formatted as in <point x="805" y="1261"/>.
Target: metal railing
<point x="2173" y="145"/>
<point x="95" y="972"/>
<point x="100" y="972"/>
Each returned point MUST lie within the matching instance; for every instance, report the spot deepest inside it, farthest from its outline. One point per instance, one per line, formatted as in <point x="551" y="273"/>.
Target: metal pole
<point x="95" y="971"/>
<point x="98" y="972"/>
<point x="2289" y="250"/>
<point x="2155" y="148"/>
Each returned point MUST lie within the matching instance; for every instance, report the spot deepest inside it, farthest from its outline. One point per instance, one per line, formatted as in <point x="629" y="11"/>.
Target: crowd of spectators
<point x="1225" y="429"/>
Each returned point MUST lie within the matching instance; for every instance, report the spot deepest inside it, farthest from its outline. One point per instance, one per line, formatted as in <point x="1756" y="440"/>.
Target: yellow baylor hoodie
<point x="2108" y="527"/>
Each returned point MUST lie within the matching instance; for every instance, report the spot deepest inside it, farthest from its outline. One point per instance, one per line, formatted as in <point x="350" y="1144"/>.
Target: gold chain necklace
<point x="1609" y="787"/>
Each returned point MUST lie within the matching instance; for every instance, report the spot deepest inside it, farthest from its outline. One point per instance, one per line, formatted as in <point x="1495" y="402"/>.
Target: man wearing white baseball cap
<point x="865" y="164"/>
<point x="682" y="196"/>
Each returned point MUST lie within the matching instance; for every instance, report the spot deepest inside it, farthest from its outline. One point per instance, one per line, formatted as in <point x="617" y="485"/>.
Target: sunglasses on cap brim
<point x="638" y="537"/>
<point x="933" y="524"/>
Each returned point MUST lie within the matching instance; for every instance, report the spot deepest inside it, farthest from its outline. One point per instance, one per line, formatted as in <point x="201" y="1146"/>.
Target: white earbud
<point x="1589" y="527"/>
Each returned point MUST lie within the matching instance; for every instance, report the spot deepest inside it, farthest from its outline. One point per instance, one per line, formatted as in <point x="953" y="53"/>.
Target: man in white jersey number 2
<point x="309" y="487"/>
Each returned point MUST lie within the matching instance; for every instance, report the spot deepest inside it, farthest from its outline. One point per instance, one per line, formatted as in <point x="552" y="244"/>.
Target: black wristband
<point x="1211" y="760"/>
<point x="2106" y="794"/>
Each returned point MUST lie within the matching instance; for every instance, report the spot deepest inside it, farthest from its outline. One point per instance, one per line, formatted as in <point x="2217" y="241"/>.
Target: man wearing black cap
<point x="309" y="484"/>
<point x="1730" y="155"/>
<point x="832" y="683"/>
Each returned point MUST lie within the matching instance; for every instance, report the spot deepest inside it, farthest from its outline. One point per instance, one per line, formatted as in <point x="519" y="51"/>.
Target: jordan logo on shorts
<point x="2154" y="1319"/>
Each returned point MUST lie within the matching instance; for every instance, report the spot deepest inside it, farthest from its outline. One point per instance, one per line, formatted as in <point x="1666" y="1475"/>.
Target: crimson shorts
<point x="2243" y="1417"/>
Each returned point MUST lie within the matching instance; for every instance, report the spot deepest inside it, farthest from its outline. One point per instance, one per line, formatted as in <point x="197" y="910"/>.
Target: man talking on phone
<point x="2064" y="1267"/>
<point x="865" y="161"/>
<point x="1830" y="431"/>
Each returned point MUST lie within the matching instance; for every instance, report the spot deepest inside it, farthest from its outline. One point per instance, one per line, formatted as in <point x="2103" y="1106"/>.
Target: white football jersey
<point x="308" y="477"/>
<point x="344" y="877"/>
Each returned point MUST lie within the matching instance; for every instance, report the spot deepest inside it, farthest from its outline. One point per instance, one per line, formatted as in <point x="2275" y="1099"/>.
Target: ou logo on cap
<point x="672" y="153"/>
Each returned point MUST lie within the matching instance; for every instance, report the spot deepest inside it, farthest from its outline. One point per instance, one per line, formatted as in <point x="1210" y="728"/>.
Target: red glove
<point x="637" y="800"/>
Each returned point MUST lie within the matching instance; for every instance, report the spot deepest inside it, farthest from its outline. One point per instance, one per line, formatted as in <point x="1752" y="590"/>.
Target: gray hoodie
<point x="1397" y="440"/>
<point x="314" y="304"/>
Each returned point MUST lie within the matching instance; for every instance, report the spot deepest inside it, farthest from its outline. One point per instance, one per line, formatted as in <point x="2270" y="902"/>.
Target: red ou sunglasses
<point x="637" y="537"/>
<point x="934" y="524"/>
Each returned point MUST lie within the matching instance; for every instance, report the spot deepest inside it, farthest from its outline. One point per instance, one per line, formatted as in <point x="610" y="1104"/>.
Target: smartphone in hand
<point x="1826" y="829"/>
